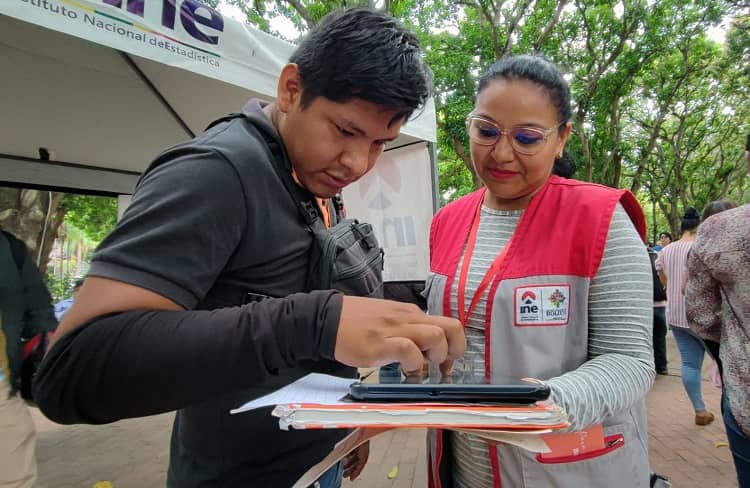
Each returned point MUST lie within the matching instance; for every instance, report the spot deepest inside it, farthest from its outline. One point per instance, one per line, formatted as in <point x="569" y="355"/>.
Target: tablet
<point x="510" y="391"/>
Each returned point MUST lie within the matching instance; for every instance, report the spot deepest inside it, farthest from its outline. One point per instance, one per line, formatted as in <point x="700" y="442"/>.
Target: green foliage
<point x="60" y="287"/>
<point x="455" y="179"/>
<point x="94" y="216"/>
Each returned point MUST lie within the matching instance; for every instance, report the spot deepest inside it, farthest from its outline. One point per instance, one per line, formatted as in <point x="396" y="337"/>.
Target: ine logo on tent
<point x="192" y="14"/>
<point x="385" y="176"/>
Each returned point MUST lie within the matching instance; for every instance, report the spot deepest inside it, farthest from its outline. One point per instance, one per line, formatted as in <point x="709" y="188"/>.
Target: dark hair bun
<point x="564" y="166"/>
<point x="691" y="213"/>
<point x="690" y="219"/>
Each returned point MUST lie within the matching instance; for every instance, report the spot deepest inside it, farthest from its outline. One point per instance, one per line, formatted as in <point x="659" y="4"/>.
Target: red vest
<point x="568" y="220"/>
<point x="563" y="231"/>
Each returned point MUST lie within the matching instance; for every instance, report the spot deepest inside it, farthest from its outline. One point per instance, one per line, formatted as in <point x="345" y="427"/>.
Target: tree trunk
<point x="588" y="167"/>
<point x="466" y="158"/>
<point x="34" y="216"/>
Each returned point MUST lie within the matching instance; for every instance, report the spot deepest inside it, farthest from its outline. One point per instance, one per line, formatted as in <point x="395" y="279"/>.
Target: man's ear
<point x="289" y="89"/>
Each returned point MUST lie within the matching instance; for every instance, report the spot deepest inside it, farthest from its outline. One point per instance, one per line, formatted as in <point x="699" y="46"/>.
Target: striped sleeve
<point x="620" y="366"/>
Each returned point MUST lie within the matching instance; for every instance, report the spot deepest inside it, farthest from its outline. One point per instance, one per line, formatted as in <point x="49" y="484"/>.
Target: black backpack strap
<point x="308" y="209"/>
<point x="17" y="249"/>
<point x="306" y="204"/>
<point x="226" y="118"/>
<point x="304" y="200"/>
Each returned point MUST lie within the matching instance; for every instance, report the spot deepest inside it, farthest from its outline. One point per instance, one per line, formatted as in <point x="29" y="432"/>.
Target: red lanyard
<point x="489" y="276"/>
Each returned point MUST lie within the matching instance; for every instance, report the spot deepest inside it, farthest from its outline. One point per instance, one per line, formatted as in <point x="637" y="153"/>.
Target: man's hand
<point x="377" y="332"/>
<point x="355" y="461"/>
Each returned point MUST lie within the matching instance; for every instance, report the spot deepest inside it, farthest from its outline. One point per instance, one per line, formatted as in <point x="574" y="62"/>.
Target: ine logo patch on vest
<point x="542" y="305"/>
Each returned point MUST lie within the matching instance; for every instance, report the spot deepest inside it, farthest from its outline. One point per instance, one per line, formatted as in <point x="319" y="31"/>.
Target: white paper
<point x="317" y="388"/>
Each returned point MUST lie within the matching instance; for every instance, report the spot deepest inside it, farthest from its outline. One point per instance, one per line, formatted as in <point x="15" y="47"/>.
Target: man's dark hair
<point x="665" y="234"/>
<point x="547" y="75"/>
<point x="747" y="143"/>
<point x="360" y="53"/>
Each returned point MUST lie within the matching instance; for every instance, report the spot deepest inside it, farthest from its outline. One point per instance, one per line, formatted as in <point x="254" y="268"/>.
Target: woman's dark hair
<point x="564" y="166"/>
<point x="360" y="53"/>
<point x="715" y="207"/>
<point x="690" y="219"/>
<point x="544" y="73"/>
<point x="665" y="234"/>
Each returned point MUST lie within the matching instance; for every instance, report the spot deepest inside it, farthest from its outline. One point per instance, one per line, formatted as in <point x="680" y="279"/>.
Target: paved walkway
<point x="133" y="453"/>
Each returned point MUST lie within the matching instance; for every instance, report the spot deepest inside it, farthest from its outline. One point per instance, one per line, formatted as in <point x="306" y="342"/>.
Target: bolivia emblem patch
<point x="542" y="305"/>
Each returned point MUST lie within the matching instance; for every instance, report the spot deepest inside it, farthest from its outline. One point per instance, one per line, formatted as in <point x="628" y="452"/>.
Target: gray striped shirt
<point x="620" y="368"/>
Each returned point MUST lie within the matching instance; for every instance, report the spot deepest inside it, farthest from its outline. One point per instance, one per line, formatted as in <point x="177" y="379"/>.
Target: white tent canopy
<point x="104" y="85"/>
<point x="107" y="84"/>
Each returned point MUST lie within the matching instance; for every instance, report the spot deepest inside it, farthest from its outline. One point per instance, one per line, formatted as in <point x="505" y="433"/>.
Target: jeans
<point x="692" y="351"/>
<point x="660" y="340"/>
<point x="331" y="478"/>
<point x="739" y="444"/>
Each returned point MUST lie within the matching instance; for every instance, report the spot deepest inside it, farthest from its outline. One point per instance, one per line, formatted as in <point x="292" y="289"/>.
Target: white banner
<point x="123" y="202"/>
<point x="180" y="33"/>
<point x="396" y="198"/>
<point x="184" y="34"/>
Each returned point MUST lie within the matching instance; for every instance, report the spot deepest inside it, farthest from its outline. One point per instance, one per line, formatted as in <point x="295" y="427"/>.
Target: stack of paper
<point x="317" y="402"/>
<point x="441" y="415"/>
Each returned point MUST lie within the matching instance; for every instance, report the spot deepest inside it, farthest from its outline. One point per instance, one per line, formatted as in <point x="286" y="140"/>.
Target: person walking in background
<point x="671" y="267"/>
<point x="25" y="310"/>
<point x="660" y="321"/>
<point x="717" y="297"/>
<point x="665" y="239"/>
<point x="712" y="346"/>
<point x="718" y="286"/>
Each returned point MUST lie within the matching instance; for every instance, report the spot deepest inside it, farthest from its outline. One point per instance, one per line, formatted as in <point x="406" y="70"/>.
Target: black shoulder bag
<point x="345" y="257"/>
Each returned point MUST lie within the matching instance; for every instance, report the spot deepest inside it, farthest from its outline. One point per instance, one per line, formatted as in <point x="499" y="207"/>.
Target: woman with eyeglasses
<point x="551" y="280"/>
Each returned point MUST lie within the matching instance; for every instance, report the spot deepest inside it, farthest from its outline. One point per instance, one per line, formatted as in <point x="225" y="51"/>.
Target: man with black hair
<point x="665" y="239"/>
<point x="160" y="324"/>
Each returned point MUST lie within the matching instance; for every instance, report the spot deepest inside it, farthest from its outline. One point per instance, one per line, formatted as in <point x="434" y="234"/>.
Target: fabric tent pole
<point x="156" y="93"/>
<point x="432" y="148"/>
